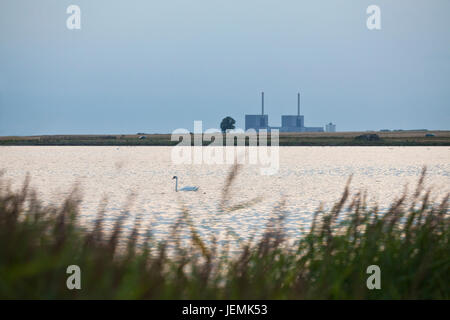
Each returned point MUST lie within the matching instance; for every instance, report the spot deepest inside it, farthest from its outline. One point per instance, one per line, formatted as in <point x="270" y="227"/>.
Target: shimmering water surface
<point x="140" y="179"/>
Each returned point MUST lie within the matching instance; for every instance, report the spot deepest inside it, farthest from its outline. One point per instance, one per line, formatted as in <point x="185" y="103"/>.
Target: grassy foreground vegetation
<point x="392" y="138"/>
<point x="410" y="243"/>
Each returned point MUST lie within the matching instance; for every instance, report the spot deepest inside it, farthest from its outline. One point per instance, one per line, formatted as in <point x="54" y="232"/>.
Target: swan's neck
<point x="176" y="184"/>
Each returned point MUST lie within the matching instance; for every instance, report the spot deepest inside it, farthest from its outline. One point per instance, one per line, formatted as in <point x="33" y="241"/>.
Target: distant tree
<point x="227" y="123"/>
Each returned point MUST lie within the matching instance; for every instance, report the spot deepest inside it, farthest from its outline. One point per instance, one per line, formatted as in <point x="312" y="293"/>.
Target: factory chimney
<point x="262" y="102"/>
<point x="298" y="104"/>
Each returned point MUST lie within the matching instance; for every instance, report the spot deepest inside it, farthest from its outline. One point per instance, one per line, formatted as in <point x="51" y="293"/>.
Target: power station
<point x="289" y="123"/>
<point x="257" y="121"/>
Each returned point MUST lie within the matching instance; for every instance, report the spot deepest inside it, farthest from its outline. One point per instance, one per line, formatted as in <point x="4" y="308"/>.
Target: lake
<point x="140" y="180"/>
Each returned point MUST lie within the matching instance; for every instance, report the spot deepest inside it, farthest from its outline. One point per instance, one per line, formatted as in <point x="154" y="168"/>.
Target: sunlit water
<point x="140" y="179"/>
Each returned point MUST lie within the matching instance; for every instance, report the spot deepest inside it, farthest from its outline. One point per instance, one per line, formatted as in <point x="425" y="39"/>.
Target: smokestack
<point x="298" y="104"/>
<point x="262" y="102"/>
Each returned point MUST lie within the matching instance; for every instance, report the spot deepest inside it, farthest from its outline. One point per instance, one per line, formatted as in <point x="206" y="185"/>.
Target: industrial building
<point x="289" y="123"/>
<point x="330" y="127"/>
<point x="257" y="121"/>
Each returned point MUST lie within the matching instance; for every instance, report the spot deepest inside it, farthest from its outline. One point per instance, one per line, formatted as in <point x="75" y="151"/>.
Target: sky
<point x="155" y="66"/>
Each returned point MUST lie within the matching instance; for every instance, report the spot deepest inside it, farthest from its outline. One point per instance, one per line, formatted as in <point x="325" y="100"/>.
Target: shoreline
<point x="392" y="138"/>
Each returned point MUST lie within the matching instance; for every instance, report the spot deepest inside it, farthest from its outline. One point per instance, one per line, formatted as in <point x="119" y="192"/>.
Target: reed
<point x="409" y="242"/>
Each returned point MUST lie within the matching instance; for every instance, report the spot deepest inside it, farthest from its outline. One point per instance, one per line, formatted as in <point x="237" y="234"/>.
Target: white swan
<point x="184" y="188"/>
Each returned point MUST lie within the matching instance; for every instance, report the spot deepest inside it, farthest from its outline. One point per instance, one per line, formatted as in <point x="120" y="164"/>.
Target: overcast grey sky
<point x="158" y="65"/>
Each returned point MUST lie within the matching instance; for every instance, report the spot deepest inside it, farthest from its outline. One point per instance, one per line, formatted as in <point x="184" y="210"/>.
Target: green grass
<point x="409" y="242"/>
